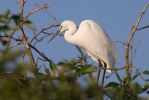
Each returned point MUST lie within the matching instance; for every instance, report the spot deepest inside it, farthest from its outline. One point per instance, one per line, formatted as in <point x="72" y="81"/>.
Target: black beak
<point x="54" y="35"/>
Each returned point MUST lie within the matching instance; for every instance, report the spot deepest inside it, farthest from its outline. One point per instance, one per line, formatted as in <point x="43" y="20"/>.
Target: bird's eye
<point x="61" y="26"/>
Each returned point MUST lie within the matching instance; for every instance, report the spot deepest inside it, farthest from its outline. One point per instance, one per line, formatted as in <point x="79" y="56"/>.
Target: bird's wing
<point x="97" y="43"/>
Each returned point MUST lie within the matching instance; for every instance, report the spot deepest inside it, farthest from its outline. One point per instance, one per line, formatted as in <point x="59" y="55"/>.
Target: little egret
<point x="93" y="39"/>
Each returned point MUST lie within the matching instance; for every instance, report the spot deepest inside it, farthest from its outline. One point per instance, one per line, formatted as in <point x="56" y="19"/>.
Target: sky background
<point x="117" y="17"/>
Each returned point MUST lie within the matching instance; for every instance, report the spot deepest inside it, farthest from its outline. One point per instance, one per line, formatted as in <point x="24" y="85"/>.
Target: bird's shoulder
<point x="90" y="26"/>
<point x="92" y="30"/>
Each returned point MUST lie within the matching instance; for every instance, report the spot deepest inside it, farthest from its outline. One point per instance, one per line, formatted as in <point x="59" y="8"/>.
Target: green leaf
<point x="53" y="67"/>
<point x="15" y="18"/>
<point x="4" y="17"/>
<point x="26" y="21"/>
<point x="30" y="25"/>
<point x="47" y="71"/>
<point x="112" y="84"/>
<point x="146" y="72"/>
<point x="61" y="64"/>
<point x="68" y="64"/>
<point x="134" y="77"/>
<point x="4" y="27"/>
<point x="146" y="87"/>
<point x="118" y="77"/>
<point x="4" y="20"/>
<point x="86" y="69"/>
<point x="14" y="27"/>
<point x="7" y="12"/>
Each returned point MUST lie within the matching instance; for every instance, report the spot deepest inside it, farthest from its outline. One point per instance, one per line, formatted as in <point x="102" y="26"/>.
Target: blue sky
<point x="117" y="17"/>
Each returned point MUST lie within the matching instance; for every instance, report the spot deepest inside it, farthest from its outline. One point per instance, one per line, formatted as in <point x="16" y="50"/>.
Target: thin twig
<point x="135" y="50"/>
<point x="84" y="57"/>
<point x="15" y="45"/>
<point x="9" y="38"/>
<point x="121" y="68"/>
<point x="40" y="53"/>
<point x="111" y="73"/>
<point x="124" y="43"/>
<point x="80" y="51"/>
<point x="37" y="9"/>
<point x="128" y="43"/>
<point x="39" y="40"/>
<point x="137" y="23"/>
<point x="49" y="14"/>
<point x="137" y="71"/>
<point x="147" y="26"/>
<point x="43" y="29"/>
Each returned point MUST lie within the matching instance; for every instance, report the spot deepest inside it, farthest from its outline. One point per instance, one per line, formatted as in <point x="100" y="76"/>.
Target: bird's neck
<point x="70" y="35"/>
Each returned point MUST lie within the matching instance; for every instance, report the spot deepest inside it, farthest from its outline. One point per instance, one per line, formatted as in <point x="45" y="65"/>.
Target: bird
<point x="93" y="39"/>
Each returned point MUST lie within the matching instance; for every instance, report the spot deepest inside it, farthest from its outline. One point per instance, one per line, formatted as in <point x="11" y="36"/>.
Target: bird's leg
<point x="104" y="65"/>
<point x="100" y="65"/>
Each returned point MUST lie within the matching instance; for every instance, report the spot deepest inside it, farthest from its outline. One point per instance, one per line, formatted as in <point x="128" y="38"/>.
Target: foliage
<point x="53" y="85"/>
<point x="60" y="81"/>
<point x="11" y="22"/>
<point x="129" y="91"/>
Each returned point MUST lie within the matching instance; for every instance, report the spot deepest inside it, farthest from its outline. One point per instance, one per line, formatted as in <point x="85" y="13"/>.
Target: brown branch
<point x="40" y="53"/>
<point x="37" y="9"/>
<point x="15" y="45"/>
<point x="84" y="57"/>
<point x="137" y="23"/>
<point x="137" y="71"/>
<point x="135" y="50"/>
<point x="121" y="68"/>
<point x="49" y="14"/>
<point x="28" y="50"/>
<point x="22" y="61"/>
<point x="10" y="36"/>
<point x="39" y="40"/>
<point x="128" y="44"/>
<point x="124" y="43"/>
<point x="147" y="26"/>
<point x="53" y="25"/>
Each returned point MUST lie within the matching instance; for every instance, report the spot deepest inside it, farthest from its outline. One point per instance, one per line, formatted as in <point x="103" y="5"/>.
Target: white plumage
<point x="93" y="39"/>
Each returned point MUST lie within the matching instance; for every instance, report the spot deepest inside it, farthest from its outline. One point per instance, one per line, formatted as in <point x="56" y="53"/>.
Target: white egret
<point x="93" y="39"/>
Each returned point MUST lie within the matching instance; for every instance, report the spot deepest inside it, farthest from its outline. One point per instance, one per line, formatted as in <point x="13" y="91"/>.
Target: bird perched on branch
<point x="93" y="39"/>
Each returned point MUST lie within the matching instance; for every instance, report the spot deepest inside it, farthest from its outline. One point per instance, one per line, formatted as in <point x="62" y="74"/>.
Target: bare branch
<point x="128" y="43"/>
<point x="137" y="71"/>
<point x="40" y="53"/>
<point x="37" y="9"/>
<point x="9" y="36"/>
<point x="53" y="25"/>
<point x="124" y="43"/>
<point x="147" y="26"/>
<point x="111" y="74"/>
<point x="49" y="14"/>
<point x="137" y="23"/>
<point x="121" y="68"/>
<point x="22" y="61"/>
<point x="28" y="50"/>
<point x="135" y="50"/>
<point x="15" y="45"/>
<point x="39" y="40"/>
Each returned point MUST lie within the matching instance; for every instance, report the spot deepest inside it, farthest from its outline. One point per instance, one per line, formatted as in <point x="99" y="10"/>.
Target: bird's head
<point x="63" y="27"/>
